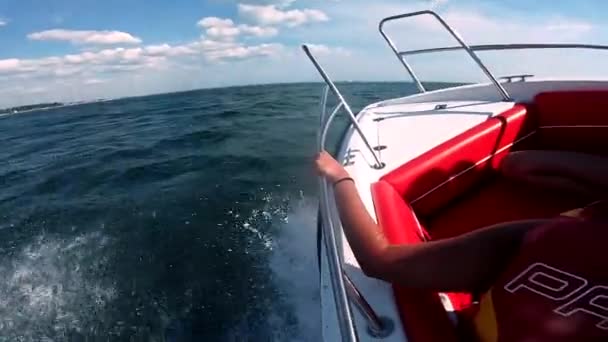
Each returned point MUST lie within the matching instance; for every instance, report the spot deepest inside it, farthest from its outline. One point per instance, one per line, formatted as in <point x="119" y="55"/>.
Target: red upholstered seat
<point x="422" y="311"/>
<point x="573" y="121"/>
<point x="459" y="163"/>
<point x="454" y="188"/>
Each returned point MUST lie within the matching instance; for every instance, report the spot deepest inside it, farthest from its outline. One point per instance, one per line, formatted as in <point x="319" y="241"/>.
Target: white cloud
<point x="212" y="45"/>
<point x="92" y="81"/>
<point x="324" y="50"/>
<point x="226" y="54"/>
<point x="479" y="27"/>
<point x="273" y="15"/>
<point x="216" y="51"/>
<point x="95" y="63"/>
<point x="3" y="22"/>
<point x="82" y="63"/>
<point x="36" y="90"/>
<point x="169" y="51"/>
<point x="258" y="31"/>
<point x="244" y="52"/>
<point x="86" y="37"/>
<point x="9" y="65"/>
<point x="215" y="22"/>
<point x="225" y="29"/>
<point x="221" y="32"/>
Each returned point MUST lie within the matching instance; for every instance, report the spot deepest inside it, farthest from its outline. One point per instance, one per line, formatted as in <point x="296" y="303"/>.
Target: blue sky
<point x="66" y="50"/>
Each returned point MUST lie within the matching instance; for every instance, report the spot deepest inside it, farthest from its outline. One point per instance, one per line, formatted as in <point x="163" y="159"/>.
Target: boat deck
<point x="407" y="130"/>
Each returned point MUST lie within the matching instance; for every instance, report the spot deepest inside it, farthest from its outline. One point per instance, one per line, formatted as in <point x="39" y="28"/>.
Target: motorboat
<point x="426" y="168"/>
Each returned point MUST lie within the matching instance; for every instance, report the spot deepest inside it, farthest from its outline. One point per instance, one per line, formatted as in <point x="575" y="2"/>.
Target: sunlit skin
<point x="477" y="256"/>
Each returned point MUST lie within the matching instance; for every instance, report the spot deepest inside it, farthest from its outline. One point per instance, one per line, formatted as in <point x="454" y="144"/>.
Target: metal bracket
<point x="517" y="78"/>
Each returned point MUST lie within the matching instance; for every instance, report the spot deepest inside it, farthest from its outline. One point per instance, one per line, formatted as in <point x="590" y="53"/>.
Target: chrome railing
<point x="518" y="78"/>
<point x="344" y="289"/>
<point x="401" y="54"/>
<point x="494" y="47"/>
<point x="343" y="104"/>
<point x="377" y="326"/>
<point x="470" y="49"/>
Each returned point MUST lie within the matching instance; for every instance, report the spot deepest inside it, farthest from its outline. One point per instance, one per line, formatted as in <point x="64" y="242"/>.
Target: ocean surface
<point x="178" y="217"/>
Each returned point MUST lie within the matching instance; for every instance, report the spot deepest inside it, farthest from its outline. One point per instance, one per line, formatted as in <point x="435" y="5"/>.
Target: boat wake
<point x="64" y="288"/>
<point x="52" y="287"/>
<point x="294" y="263"/>
<point x="294" y="312"/>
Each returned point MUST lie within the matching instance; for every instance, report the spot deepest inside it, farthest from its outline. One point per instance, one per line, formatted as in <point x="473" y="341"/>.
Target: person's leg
<point x="559" y="170"/>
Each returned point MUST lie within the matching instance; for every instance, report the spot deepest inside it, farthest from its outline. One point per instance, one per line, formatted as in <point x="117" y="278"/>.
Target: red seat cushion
<point x="436" y="177"/>
<point x="451" y="167"/>
<point x="422" y="313"/>
<point x="453" y="187"/>
<point x="498" y="200"/>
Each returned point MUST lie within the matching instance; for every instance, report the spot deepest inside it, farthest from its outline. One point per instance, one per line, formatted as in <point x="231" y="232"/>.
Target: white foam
<point x="286" y="228"/>
<point x="46" y="290"/>
<point x="294" y="264"/>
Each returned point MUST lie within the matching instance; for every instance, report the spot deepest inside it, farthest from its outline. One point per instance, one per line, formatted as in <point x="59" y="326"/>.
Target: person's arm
<point x="465" y="263"/>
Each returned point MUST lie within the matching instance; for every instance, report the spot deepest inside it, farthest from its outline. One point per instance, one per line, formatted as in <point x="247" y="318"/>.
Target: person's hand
<point x="327" y="166"/>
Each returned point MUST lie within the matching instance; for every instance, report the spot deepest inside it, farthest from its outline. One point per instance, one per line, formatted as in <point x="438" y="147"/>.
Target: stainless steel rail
<point x="495" y="47"/>
<point x="401" y="59"/>
<point x="343" y="310"/>
<point x="344" y="313"/>
<point x="456" y="36"/>
<point x="377" y="326"/>
<point x="521" y="78"/>
<point x="344" y="289"/>
<point x="343" y="103"/>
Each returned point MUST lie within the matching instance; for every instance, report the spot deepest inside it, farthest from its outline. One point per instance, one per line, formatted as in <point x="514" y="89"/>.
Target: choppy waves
<point x="52" y="287"/>
<point x="177" y="217"/>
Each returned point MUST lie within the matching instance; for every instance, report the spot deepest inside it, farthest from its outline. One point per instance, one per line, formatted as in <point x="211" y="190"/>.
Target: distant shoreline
<point x="29" y="108"/>
<point x="42" y="106"/>
<point x="53" y="105"/>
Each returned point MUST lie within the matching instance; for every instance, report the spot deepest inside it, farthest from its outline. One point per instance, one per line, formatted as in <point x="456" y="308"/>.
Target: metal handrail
<point x="344" y="289"/>
<point x="401" y="59"/>
<point x="495" y="47"/>
<point x="510" y="78"/>
<point x="377" y="326"/>
<point x="456" y="36"/>
<point x="343" y="102"/>
<point x="343" y="310"/>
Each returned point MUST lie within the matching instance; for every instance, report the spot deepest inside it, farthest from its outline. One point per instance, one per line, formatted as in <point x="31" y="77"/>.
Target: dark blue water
<point x="177" y="217"/>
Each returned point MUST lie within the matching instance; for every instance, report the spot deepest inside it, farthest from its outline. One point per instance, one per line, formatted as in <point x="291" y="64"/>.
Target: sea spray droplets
<point x="260" y="221"/>
<point x="125" y="156"/>
<point x="48" y="290"/>
<point x="294" y="264"/>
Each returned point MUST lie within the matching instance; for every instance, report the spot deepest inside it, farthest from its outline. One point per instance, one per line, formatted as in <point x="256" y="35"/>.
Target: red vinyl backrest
<point x="421" y="312"/>
<point x="436" y="177"/>
<point x="425" y="184"/>
<point x="573" y="120"/>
